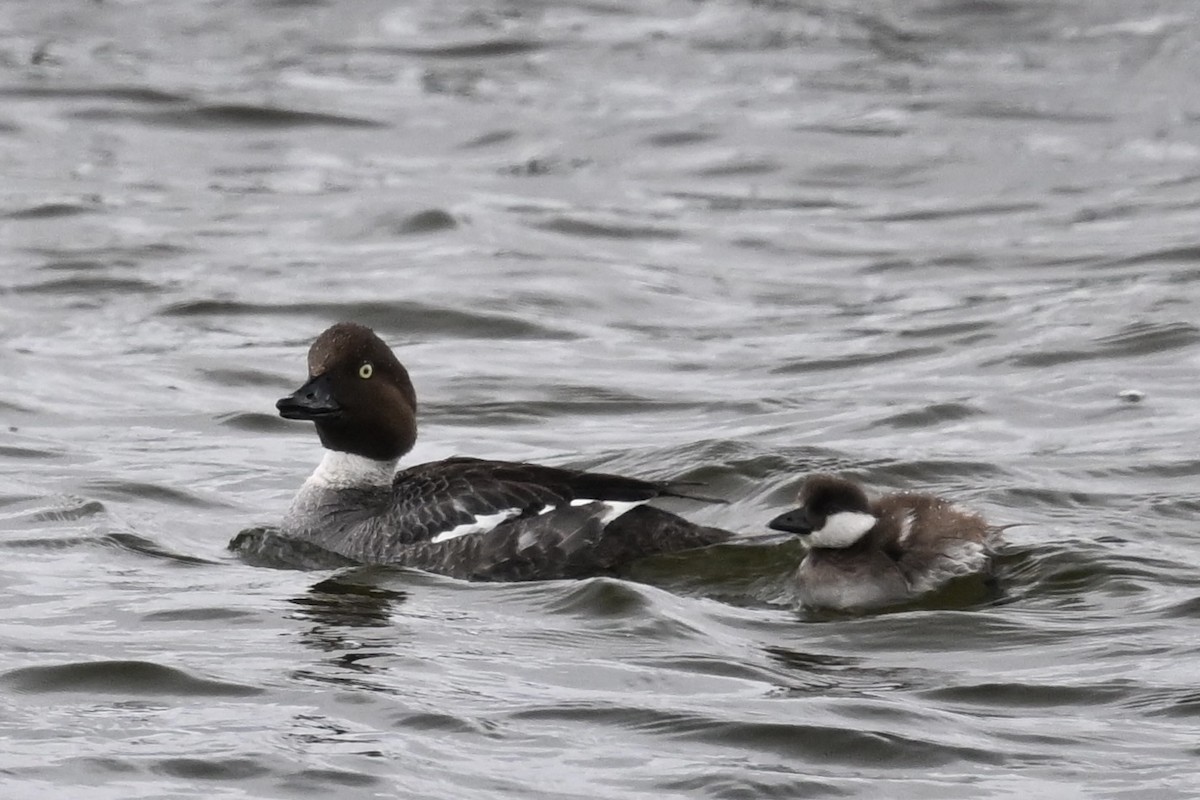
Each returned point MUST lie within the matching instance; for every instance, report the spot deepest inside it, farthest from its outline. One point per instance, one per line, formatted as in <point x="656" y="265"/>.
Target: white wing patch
<point x="842" y="529"/>
<point x="906" y="524"/>
<point x="481" y="524"/>
<point x="608" y="509"/>
<point x="485" y="523"/>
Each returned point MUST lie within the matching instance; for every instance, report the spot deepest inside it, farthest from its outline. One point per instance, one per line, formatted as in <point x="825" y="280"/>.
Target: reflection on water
<point x="341" y="601"/>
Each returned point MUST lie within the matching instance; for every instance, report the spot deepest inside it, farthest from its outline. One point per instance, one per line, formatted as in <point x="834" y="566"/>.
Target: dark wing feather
<point x="543" y="536"/>
<point x="553" y="545"/>
<point x="429" y="499"/>
<point x="569" y="542"/>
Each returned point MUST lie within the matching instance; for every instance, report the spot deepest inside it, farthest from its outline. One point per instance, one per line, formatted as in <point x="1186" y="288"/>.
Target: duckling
<point x="865" y="554"/>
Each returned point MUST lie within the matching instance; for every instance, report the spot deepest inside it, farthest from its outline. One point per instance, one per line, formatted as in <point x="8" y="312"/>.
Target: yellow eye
<point x="366" y="371"/>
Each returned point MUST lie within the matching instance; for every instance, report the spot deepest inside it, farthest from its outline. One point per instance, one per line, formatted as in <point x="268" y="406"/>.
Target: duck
<point x="468" y="518"/>
<point x="864" y="554"/>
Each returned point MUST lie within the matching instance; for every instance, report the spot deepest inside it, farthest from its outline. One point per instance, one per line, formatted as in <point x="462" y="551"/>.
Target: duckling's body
<point x="865" y="554"/>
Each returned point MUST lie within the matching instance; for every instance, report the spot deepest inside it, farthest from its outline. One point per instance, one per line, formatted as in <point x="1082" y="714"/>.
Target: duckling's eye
<point x="366" y="370"/>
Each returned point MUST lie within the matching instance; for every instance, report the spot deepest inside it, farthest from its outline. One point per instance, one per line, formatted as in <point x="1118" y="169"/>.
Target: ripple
<point x="496" y="47"/>
<point x="756" y="201"/>
<point x="198" y="615"/>
<point x="835" y="745"/>
<point x="601" y="598"/>
<point x="1145" y="338"/>
<point x="831" y="675"/>
<point x="750" y="573"/>
<point x="723" y="783"/>
<point x="308" y="780"/>
<point x="1026" y="695"/>
<point x="679" y="138"/>
<point x="246" y="377"/>
<point x="577" y="226"/>
<point x="1186" y="609"/>
<point x="9" y="405"/>
<point x="950" y="329"/>
<point x="253" y="421"/>
<point x="398" y="317"/>
<point x="1183" y="703"/>
<point x="490" y="138"/>
<point x="429" y="221"/>
<point x="796" y="741"/>
<point x="542" y="165"/>
<point x="125" y="94"/>
<point x="87" y="285"/>
<point x="805" y="365"/>
<point x="738" y="167"/>
<point x="930" y="416"/>
<point x="956" y="211"/>
<point x="67" y="257"/>
<point x="137" y="490"/>
<point x="1009" y="110"/>
<point x="1186" y="253"/>
<point x="1184" y="468"/>
<point x="211" y="769"/>
<point x="589" y="400"/>
<point x="1070" y="575"/>
<point x="230" y="116"/>
<point x="1137" y="339"/>
<point x="9" y="451"/>
<point x="70" y="509"/>
<point x="1060" y="499"/>
<point x="432" y="220"/>
<point x="53" y="210"/>
<point x="148" y="547"/>
<point x="1181" y="508"/>
<point x="448" y="723"/>
<point x="115" y="766"/>
<point x="878" y="125"/>
<point x="119" y="677"/>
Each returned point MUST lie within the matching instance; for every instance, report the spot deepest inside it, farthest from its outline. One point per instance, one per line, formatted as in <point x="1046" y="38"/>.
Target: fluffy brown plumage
<point x="865" y="554"/>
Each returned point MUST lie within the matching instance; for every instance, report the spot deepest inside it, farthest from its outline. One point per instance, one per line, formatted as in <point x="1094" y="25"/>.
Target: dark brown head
<point x="833" y="512"/>
<point x="358" y="394"/>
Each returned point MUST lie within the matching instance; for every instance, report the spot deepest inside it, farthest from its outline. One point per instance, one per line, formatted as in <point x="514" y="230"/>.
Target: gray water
<point x="928" y="244"/>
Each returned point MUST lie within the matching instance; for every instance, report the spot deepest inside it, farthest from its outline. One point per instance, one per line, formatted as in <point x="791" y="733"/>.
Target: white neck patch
<point x="842" y="529"/>
<point x="339" y="470"/>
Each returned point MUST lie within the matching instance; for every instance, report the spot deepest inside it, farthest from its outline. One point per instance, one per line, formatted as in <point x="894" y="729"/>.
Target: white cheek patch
<point x="842" y="529"/>
<point x="481" y="524"/>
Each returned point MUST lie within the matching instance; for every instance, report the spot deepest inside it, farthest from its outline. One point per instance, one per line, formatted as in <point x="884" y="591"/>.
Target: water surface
<point x="927" y="244"/>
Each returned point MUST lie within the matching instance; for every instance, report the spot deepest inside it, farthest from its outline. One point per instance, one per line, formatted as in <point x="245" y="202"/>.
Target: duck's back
<point x="488" y="520"/>
<point x="569" y="542"/>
